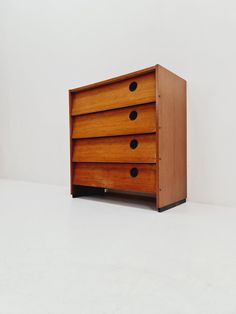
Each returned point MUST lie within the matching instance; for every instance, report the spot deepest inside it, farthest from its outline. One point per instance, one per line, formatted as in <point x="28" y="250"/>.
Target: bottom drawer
<point x="130" y="177"/>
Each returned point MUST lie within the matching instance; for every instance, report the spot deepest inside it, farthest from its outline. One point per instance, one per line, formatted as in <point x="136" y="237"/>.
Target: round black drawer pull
<point x="133" y="144"/>
<point x="133" y="86"/>
<point x="134" y="172"/>
<point x="133" y="115"/>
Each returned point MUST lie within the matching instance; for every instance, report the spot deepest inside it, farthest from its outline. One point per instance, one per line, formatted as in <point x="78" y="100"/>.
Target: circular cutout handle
<point x="133" y="86"/>
<point x="134" y="172"/>
<point x="133" y="144"/>
<point x="133" y="115"/>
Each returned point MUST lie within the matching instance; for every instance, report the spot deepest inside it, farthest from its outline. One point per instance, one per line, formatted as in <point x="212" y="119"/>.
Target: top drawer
<point x="134" y="91"/>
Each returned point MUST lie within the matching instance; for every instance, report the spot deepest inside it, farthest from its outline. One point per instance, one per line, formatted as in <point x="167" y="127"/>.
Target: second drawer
<point x="125" y="149"/>
<point x="132" y="120"/>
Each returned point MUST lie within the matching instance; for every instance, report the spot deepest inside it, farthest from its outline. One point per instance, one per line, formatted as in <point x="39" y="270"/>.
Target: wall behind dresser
<point x="50" y="46"/>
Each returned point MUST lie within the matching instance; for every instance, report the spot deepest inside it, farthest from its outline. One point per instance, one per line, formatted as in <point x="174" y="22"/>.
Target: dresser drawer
<point x="138" y="90"/>
<point x="135" y="148"/>
<point x="133" y="120"/>
<point x="130" y="177"/>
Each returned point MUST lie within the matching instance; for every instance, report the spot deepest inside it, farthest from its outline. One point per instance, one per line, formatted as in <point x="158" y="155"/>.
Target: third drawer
<point x="125" y="149"/>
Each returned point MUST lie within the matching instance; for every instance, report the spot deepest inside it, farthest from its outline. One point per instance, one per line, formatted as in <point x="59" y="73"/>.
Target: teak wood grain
<point x="116" y="176"/>
<point x="115" y="95"/>
<point x="171" y="139"/>
<point x="116" y="149"/>
<point x="115" y="122"/>
<point x="101" y="129"/>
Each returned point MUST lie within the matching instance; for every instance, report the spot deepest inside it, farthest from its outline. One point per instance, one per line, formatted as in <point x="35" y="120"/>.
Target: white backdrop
<point x="50" y="46"/>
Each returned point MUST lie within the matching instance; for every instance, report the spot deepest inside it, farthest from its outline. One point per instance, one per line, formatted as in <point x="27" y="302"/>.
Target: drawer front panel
<point x="130" y="177"/>
<point x="138" y="90"/>
<point x="132" y="149"/>
<point x="133" y="120"/>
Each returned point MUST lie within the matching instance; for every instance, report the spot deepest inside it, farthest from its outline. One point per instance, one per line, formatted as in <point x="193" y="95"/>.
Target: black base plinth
<point x="81" y="190"/>
<point x="162" y="209"/>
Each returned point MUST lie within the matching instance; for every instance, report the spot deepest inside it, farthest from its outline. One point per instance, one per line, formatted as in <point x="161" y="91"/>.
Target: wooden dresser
<point x="129" y="133"/>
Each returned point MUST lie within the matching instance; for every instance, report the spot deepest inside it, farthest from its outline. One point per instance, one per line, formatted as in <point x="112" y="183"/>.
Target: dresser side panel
<point x="172" y="140"/>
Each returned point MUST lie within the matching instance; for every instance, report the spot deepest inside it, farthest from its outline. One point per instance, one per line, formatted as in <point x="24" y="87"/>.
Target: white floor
<point x="87" y="256"/>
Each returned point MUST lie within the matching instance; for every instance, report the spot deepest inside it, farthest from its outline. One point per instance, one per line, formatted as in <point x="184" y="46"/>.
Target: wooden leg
<point x="162" y="209"/>
<point x="81" y="190"/>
